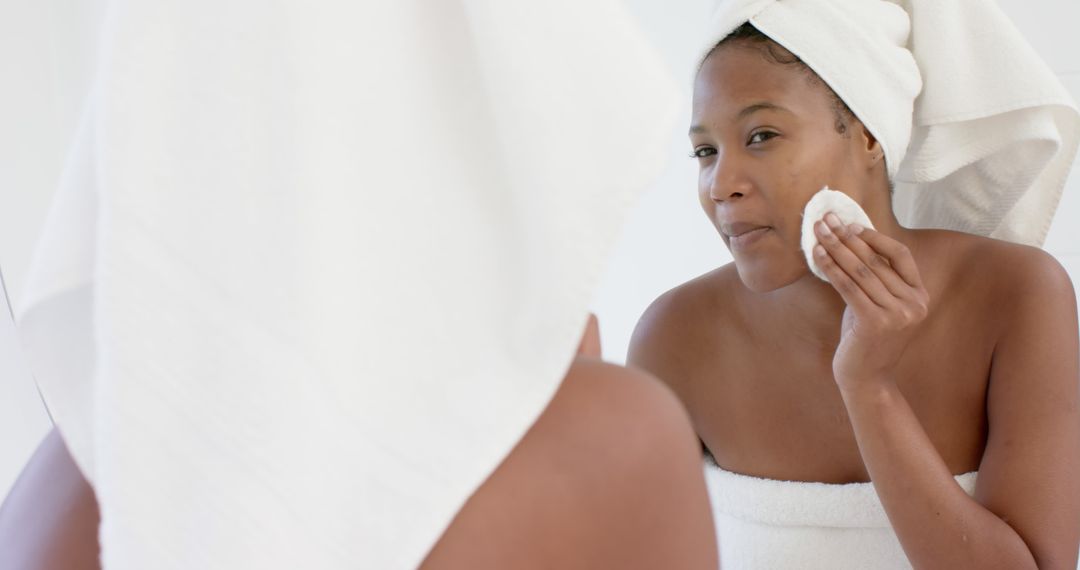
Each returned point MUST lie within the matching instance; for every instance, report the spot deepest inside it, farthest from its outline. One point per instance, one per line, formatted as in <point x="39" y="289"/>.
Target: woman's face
<point x="766" y="140"/>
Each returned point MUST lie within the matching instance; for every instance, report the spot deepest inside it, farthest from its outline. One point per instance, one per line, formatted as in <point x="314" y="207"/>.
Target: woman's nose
<point x="728" y="181"/>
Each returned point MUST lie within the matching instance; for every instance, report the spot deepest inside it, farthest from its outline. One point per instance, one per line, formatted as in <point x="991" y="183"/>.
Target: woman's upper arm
<point x="1030" y="472"/>
<point x="653" y="345"/>
<point x="49" y="519"/>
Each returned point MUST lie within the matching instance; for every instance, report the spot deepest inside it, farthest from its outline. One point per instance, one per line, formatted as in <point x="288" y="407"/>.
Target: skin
<point x="928" y="354"/>
<point x="609" y="476"/>
<point x="50" y="517"/>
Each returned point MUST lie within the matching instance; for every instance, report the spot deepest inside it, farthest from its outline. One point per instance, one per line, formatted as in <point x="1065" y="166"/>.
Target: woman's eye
<point x="702" y="152"/>
<point x="760" y="137"/>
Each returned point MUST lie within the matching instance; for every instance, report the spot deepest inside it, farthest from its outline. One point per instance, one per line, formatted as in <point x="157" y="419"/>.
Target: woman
<point x="930" y="358"/>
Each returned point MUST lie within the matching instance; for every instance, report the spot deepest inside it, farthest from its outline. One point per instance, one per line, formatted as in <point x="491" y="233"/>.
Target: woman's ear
<point x="873" y="151"/>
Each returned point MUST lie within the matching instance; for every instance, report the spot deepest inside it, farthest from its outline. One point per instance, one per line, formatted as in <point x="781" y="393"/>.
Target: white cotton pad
<point x="823" y="202"/>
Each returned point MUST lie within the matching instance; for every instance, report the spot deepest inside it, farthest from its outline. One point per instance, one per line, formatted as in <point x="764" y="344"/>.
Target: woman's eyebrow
<point x="759" y="106"/>
<point x="745" y="112"/>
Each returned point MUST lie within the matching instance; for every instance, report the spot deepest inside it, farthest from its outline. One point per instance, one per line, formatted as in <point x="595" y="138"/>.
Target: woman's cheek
<point x="703" y="194"/>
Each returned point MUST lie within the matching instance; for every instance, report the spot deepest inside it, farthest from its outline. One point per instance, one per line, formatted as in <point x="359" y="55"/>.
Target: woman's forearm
<point x="938" y="524"/>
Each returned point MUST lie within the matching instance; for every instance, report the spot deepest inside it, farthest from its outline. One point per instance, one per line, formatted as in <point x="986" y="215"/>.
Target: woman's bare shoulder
<point x="672" y="325"/>
<point x="983" y="257"/>
<point x="1001" y="271"/>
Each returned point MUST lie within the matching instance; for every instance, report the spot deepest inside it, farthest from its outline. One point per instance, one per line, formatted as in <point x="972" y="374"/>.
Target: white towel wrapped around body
<point x="767" y="523"/>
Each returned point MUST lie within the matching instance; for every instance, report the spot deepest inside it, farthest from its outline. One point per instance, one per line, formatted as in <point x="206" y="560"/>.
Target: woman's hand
<point x="886" y="300"/>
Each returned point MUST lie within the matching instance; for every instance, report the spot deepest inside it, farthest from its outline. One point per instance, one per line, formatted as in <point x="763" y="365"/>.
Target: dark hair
<point x="747" y="34"/>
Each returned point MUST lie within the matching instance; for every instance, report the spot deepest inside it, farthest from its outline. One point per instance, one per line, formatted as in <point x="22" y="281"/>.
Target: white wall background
<point x="667" y="240"/>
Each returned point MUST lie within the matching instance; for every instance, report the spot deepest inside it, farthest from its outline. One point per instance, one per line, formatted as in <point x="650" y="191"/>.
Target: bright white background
<point x="666" y="241"/>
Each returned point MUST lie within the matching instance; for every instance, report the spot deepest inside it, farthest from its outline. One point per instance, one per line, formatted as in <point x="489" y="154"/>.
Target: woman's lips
<point x="748" y="238"/>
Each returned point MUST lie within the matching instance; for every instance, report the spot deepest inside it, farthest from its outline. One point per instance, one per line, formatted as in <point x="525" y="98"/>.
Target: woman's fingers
<point x="896" y="253"/>
<point x="871" y="271"/>
<point x="852" y="294"/>
<point x="854" y="269"/>
<point x="896" y="285"/>
<point x="877" y="263"/>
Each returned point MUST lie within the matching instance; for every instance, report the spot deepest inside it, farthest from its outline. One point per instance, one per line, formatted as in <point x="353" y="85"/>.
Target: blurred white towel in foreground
<point x="316" y="267"/>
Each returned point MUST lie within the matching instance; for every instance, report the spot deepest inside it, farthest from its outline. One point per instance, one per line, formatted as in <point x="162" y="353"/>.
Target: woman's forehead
<point x="736" y="77"/>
